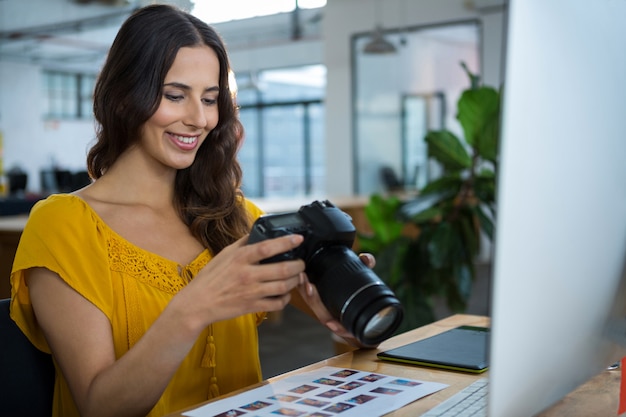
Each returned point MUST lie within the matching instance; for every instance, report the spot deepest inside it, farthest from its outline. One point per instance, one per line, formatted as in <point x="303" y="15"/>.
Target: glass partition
<point x="399" y="96"/>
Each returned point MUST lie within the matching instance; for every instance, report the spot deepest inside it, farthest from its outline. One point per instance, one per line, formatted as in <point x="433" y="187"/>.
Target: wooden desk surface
<point x="13" y="224"/>
<point x="366" y="360"/>
<point x="597" y="397"/>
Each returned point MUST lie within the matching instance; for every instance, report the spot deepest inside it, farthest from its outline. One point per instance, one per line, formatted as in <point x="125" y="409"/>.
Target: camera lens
<point x="380" y="322"/>
<point x="354" y="295"/>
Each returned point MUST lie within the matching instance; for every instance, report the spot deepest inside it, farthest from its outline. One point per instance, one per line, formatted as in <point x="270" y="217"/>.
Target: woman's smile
<point x="184" y="142"/>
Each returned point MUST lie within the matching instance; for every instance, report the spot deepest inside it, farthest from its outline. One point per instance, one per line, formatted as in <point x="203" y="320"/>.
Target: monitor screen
<point x="560" y="245"/>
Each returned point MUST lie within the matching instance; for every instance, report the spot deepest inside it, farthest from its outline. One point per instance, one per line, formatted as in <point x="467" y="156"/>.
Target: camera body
<point x="351" y="291"/>
<point x="321" y="223"/>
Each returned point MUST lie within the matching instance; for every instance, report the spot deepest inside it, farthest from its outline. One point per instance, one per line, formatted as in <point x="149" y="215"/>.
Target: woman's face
<point x="188" y="110"/>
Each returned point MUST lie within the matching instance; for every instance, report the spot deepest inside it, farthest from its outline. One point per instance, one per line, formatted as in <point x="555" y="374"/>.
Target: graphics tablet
<point x="463" y="348"/>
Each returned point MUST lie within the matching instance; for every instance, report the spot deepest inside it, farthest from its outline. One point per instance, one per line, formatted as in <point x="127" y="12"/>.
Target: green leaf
<point x="487" y="143"/>
<point x="412" y="210"/>
<point x="485" y="189"/>
<point x="469" y="235"/>
<point x="433" y="282"/>
<point x="446" y="148"/>
<point x="448" y="183"/>
<point x="460" y="287"/>
<point x="486" y="173"/>
<point x="442" y="245"/>
<point x="478" y="112"/>
<point x="427" y="215"/>
<point x="416" y="263"/>
<point x="389" y="262"/>
<point x="486" y="224"/>
<point x="474" y="79"/>
<point x="382" y="218"/>
<point x="464" y="274"/>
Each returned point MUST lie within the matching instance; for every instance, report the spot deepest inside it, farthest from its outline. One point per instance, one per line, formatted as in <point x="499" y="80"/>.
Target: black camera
<point x="350" y="290"/>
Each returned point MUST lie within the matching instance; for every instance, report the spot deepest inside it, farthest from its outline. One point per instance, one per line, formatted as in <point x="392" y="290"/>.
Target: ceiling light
<point x="378" y="44"/>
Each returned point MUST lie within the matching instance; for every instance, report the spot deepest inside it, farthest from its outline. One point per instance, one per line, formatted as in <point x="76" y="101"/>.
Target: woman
<point x="141" y="285"/>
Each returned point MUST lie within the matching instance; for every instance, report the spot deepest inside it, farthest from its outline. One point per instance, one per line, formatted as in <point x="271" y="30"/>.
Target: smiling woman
<point x="149" y="255"/>
<point x="142" y="284"/>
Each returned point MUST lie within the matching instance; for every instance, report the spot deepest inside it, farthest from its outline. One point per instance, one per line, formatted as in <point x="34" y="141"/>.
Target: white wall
<point x="29" y="141"/>
<point x="277" y="56"/>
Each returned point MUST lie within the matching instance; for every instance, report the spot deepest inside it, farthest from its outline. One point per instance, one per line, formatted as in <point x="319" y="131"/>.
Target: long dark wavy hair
<point x="128" y="91"/>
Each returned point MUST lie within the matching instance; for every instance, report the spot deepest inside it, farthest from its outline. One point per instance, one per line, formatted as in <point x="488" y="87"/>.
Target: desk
<point x="10" y="231"/>
<point x="598" y="397"/>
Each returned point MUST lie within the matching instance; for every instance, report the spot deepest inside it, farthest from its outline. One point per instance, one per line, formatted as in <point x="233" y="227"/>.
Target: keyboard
<point x="469" y="402"/>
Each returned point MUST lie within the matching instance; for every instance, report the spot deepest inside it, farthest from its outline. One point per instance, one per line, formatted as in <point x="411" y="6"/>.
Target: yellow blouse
<point x="131" y="286"/>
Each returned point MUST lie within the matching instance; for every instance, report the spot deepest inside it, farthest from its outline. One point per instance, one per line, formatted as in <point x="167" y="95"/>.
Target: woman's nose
<point x="196" y="115"/>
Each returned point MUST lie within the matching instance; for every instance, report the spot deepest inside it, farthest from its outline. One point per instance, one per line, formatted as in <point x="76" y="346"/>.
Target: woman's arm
<point x="80" y="335"/>
<point x="81" y="340"/>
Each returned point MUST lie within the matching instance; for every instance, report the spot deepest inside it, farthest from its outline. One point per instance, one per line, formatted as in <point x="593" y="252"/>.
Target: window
<point x="283" y="116"/>
<point x="68" y="95"/>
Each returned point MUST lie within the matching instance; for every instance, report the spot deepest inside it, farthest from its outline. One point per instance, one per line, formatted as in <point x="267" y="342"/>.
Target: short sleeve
<point x="63" y="235"/>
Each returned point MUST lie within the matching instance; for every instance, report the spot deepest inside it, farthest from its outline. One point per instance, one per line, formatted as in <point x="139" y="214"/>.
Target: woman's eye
<point x="173" y="97"/>
<point x="209" y="101"/>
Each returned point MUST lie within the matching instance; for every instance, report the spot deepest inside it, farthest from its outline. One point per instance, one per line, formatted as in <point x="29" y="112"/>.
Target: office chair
<point x="389" y="179"/>
<point x="17" y="182"/>
<point x="27" y="374"/>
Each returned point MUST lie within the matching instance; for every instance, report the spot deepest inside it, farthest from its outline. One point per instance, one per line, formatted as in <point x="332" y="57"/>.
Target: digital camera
<point x="351" y="291"/>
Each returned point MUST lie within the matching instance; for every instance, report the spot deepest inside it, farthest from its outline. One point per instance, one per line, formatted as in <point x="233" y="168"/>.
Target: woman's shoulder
<point x="59" y="202"/>
<point x="59" y="207"/>
<point x="252" y="208"/>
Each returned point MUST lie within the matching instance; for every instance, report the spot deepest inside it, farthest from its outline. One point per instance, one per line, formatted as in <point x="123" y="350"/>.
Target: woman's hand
<point x="308" y="293"/>
<point x="236" y="283"/>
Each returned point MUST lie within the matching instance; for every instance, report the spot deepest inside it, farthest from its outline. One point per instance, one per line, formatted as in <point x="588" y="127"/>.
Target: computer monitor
<point x="560" y="245"/>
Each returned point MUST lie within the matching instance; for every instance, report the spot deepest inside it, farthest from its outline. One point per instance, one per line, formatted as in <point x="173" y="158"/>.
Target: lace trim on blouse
<point x="149" y="268"/>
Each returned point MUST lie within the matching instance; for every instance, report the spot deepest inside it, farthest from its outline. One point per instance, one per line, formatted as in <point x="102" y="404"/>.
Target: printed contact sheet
<point x="324" y="392"/>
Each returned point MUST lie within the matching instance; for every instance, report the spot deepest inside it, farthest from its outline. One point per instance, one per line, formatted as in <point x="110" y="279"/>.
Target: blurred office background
<point x="308" y="86"/>
<point x="336" y="97"/>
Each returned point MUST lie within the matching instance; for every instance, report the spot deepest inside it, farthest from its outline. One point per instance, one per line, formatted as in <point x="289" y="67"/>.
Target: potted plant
<point x="426" y="247"/>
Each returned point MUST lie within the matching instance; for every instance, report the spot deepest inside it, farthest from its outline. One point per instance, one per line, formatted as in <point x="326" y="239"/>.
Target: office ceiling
<point x="74" y="35"/>
<point x="59" y="33"/>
